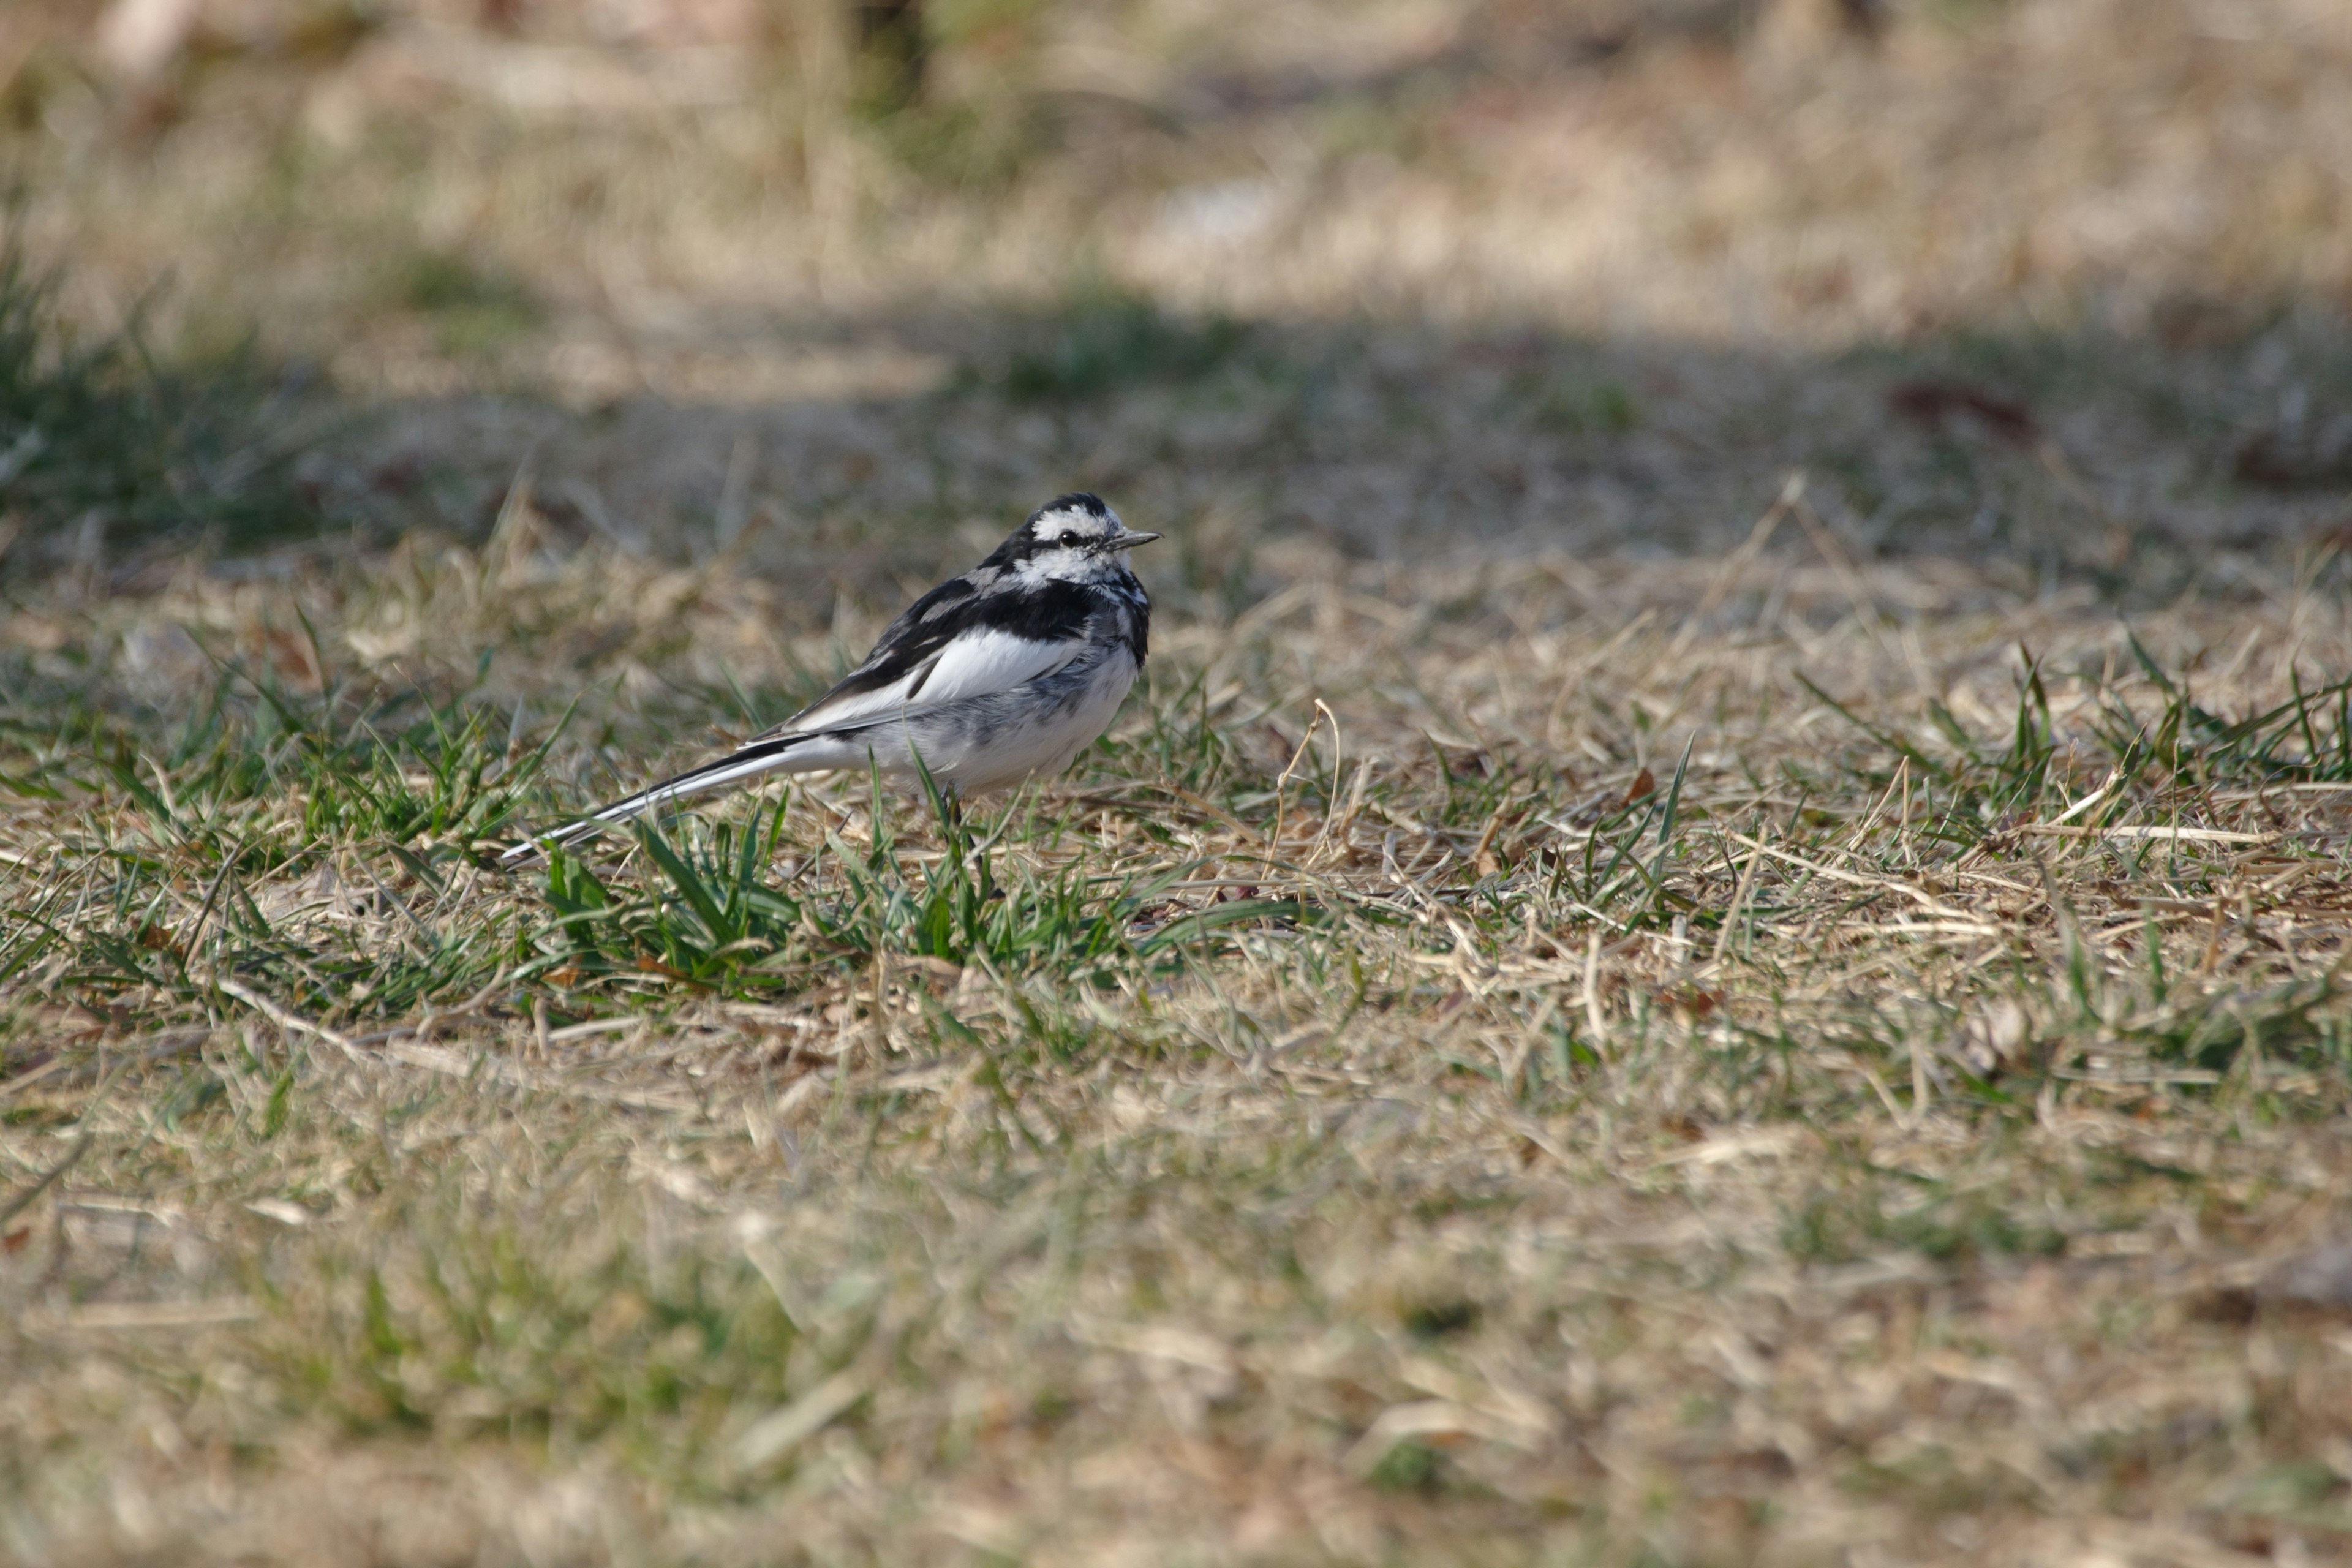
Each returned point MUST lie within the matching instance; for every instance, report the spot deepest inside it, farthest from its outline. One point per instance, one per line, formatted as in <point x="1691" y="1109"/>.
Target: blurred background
<point x="2054" y="287"/>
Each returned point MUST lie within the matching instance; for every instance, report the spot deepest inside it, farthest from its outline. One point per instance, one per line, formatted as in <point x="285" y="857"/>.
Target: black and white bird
<point x="1006" y="672"/>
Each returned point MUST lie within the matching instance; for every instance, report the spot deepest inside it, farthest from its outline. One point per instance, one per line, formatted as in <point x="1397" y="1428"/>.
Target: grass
<point x="97" y="441"/>
<point x="1105" y="342"/>
<point x="1315" y="1113"/>
<point x="473" y="309"/>
<point x="1606" y="1001"/>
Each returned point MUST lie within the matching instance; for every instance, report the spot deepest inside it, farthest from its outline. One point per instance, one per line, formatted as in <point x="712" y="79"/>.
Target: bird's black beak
<point x="1127" y="538"/>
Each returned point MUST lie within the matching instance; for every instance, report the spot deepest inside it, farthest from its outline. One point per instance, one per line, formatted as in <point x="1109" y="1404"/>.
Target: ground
<point x="1716" y="935"/>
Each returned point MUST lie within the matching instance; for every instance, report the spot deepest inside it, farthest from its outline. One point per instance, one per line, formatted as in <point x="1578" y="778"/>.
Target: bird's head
<point x="1071" y="539"/>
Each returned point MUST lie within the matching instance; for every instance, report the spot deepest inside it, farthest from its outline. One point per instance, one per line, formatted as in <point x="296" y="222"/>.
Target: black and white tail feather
<point x="1006" y="672"/>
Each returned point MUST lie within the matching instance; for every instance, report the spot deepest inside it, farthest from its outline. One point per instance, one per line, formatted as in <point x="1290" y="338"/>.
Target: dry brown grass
<point x="1400" y="1109"/>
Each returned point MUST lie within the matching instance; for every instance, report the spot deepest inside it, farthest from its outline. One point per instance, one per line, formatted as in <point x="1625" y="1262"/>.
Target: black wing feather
<point x="1047" y="612"/>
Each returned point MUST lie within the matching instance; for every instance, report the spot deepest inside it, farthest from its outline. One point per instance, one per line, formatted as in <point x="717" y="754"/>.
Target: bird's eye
<point x="1072" y="539"/>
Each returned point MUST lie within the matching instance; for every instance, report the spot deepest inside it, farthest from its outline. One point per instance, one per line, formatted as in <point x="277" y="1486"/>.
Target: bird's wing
<point x="955" y="642"/>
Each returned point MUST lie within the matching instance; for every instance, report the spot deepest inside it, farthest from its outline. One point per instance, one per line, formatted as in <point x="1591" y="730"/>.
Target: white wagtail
<point x="1007" y="671"/>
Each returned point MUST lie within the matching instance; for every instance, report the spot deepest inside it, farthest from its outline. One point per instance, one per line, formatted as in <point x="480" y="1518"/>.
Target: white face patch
<point x="1064" y="551"/>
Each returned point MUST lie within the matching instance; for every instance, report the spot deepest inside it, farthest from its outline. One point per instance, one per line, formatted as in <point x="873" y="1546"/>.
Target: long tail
<point x="791" y="753"/>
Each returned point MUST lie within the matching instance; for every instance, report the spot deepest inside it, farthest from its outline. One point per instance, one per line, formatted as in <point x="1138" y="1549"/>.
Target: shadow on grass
<point x="2117" y="464"/>
<point x="107" y="452"/>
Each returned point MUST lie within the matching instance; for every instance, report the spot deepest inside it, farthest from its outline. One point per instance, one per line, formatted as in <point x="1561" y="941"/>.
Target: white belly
<point x="1040" y="749"/>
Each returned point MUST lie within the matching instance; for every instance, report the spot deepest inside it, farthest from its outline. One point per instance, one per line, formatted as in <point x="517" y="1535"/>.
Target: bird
<point x="1004" y="673"/>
